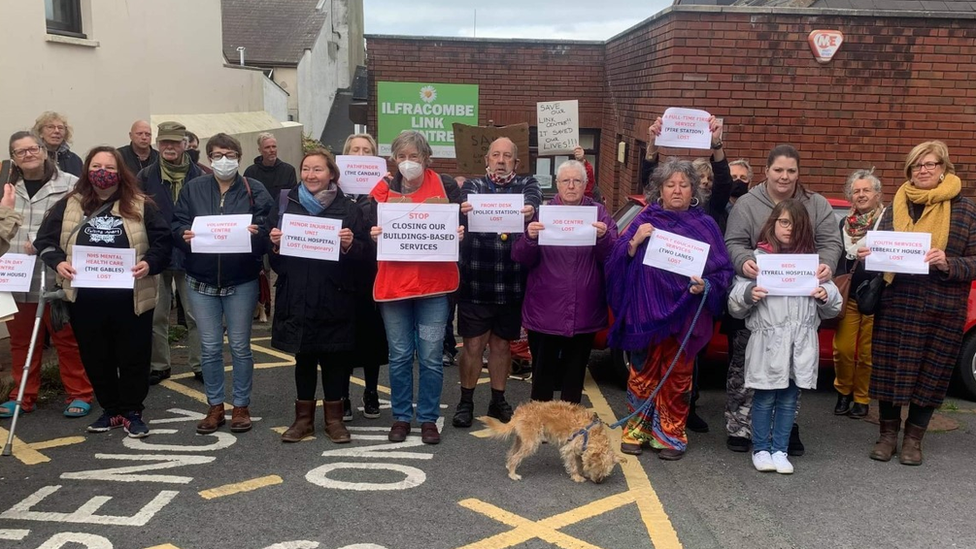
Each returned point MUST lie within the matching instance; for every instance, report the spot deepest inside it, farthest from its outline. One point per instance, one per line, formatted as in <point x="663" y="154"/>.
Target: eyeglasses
<point x="929" y="166"/>
<point x="22" y="153"/>
<point x="228" y="156"/>
<point x="570" y="182"/>
<point x="785" y="223"/>
<point x="57" y="127"/>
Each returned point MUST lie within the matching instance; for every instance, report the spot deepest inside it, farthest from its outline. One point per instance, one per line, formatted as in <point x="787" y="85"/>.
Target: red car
<point x="718" y="350"/>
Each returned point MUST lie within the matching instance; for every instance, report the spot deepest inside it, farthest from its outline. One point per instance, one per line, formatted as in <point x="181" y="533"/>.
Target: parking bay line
<point x="23" y="451"/>
<point x="238" y="487"/>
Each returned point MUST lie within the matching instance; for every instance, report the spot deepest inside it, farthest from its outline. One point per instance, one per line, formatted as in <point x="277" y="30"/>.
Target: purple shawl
<point x="649" y="305"/>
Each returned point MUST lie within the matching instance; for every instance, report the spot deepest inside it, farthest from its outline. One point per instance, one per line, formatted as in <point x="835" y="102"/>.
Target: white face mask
<point x="225" y="168"/>
<point x="410" y="170"/>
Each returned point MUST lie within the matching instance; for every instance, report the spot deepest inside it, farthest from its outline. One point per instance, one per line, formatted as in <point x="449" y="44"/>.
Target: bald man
<point x="139" y="153"/>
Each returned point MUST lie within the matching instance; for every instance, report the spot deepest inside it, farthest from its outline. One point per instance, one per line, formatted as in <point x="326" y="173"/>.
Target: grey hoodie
<point x="753" y="209"/>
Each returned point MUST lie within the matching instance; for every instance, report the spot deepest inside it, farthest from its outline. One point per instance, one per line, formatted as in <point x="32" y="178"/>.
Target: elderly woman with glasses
<point x="55" y="132"/>
<point x="653" y="309"/>
<point x="918" y="326"/>
<point x="565" y="296"/>
<point x="224" y="286"/>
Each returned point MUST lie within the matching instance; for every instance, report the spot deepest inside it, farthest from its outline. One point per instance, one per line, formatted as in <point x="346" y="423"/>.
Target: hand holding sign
<point x="685" y="128"/>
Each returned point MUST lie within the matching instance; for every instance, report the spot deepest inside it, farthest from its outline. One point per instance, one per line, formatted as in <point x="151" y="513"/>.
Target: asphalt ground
<point x="176" y="489"/>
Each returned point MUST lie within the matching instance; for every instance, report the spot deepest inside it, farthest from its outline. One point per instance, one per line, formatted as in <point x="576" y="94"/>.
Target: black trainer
<point x="371" y="405"/>
<point x="134" y="426"/>
<point x="346" y="409"/>
<point x="500" y="410"/>
<point x="464" y="414"/>
<point x="738" y="444"/>
<point x="158" y="375"/>
<point x="796" y="447"/>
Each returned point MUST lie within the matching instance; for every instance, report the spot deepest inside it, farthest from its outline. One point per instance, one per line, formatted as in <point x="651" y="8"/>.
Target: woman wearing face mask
<point x="113" y="326"/>
<point x="315" y="302"/>
<point x="413" y="295"/>
<point x="371" y="348"/>
<point x="224" y="287"/>
<point x="39" y="185"/>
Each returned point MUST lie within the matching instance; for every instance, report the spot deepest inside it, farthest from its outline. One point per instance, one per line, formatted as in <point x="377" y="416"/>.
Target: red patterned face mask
<point x="103" y="179"/>
<point x="500" y="180"/>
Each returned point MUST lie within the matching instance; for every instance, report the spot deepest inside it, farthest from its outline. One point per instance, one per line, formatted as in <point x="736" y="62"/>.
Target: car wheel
<point x="966" y="366"/>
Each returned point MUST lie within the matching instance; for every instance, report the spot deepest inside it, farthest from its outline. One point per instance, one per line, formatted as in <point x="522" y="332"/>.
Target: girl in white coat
<point x="783" y="353"/>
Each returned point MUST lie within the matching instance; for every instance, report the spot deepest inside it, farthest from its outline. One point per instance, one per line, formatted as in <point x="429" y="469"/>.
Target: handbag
<point x="868" y="295"/>
<point x="843" y="283"/>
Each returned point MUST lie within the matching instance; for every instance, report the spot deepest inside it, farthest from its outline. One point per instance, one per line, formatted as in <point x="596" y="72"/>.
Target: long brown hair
<point x="128" y="192"/>
<point x="801" y="237"/>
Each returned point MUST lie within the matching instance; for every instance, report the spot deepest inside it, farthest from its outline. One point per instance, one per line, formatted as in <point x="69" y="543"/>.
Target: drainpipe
<point x="240" y="50"/>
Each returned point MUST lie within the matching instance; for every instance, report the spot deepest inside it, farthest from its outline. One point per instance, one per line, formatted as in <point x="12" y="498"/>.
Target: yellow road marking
<point x="238" y="487"/>
<point x="57" y="442"/>
<point x="272" y="352"/>
<point x="655" y="519"/>
<point x="186" y="391"/>
<point x="361" y="383"/>
<point x="23" y="451"/>
<point x="166" y="546"/>
<point x="522" y="530"/>
<point x="281" y="431"/>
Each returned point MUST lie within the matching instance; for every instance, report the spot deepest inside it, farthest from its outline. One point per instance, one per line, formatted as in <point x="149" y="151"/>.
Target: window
<point x="64" y="17"/>
<point x="547" y="165"/>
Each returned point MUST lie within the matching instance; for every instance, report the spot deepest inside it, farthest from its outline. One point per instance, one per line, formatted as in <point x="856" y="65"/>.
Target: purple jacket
<point x="566" y="294"/>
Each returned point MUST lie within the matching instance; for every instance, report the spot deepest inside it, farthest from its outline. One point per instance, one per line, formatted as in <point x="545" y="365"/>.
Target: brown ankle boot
<point x="911" y="445"/>
<point x="888" y="441"/>
<point x="214" y="419"/>
<point x="240" y="419"/>
<point x="304" y="425"/>
<point x="334" y="427"/>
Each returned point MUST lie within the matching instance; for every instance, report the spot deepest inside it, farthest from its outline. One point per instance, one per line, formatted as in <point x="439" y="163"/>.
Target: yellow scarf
<point x="935" y="216"/>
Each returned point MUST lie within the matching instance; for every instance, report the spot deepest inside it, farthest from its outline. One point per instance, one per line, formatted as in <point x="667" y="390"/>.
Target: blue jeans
<point x="416" y="325"/>
<point x="211" y="313"/>
<point x="773" y="412"/>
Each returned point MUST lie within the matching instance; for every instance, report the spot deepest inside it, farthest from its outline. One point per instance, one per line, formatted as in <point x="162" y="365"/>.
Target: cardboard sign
<point x="471" y="144"/>
<point x="359" y="174"/>
<point x="825" y="44"/>
<point x="567" y="225"/>
<point x="16" y="272"/>
<point x="221" y="234"/>
<point x="417" y="232"/>
<point x="677" y="254"/>
<point x="310" y="237"/>
<point x="685" y="128"/>
<point x="897" y="252"/>
<point x="97" y="267"/>
<point x="788" y="274"/>
<point x="496" y="213"/>
<point x="558" y="127"/>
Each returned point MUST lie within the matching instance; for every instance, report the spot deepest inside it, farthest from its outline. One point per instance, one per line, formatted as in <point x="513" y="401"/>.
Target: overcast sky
<point x="567" y="19"/>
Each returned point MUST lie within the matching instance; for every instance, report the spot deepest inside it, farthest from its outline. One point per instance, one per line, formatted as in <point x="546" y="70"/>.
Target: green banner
<point x="431" y="109"/>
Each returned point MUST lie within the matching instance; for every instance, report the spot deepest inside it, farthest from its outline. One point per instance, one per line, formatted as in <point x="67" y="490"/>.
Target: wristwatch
<point x="717" y="146"/>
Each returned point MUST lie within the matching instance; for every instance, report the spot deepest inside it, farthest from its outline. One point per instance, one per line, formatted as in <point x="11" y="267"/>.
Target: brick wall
<point x="896" y="81"/>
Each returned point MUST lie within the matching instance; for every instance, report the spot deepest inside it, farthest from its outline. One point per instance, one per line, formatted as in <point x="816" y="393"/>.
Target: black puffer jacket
<point x="201" y="196"/>
<point x="315" y="300"/>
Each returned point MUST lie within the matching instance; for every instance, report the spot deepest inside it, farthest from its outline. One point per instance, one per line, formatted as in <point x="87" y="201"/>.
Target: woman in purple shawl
<point x="653" y="309"/>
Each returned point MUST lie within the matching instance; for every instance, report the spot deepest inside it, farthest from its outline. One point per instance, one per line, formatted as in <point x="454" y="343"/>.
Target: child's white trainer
<point x="763" y="462"/>
<point x="782" y="464"/>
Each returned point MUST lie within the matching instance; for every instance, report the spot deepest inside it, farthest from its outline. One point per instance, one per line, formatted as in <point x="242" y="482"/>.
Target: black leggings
<point x="917" y="415"/>
<point x="371" y="375"/>
<point x="557" y="358"/>
<point x="335" y="372"/>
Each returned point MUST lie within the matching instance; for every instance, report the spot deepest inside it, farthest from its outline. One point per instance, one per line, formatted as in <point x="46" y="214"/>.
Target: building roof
<point x="273" y="32"/>
<point x="870" y="5"/>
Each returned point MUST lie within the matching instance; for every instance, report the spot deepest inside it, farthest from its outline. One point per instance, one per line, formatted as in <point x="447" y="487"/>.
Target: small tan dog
<point x="556" y="422"/>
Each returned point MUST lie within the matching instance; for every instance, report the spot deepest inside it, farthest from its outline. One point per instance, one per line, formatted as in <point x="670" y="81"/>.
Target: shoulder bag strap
<point x="250" y="195"/>
<point x="84" y="219"/>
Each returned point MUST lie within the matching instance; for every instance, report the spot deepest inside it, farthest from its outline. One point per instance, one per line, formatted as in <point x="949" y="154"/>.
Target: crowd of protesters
<point x="360" y="312"/>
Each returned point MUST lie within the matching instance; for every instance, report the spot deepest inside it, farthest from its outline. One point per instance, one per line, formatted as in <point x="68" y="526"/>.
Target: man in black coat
<point x="268" y="169"/>
<point x="139" y="154"/>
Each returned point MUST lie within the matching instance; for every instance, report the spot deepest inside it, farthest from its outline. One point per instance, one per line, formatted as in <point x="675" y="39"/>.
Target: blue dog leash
<point x="585" y="432"/>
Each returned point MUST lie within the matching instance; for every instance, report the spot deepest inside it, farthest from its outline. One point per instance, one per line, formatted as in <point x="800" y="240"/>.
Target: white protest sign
<point x="16" y="272"/>
<point x="496" y="213"/>
<point x="310" y="237"/>
<point x="677" y="254"/>
<point x="221" y="234"/>
<point x="788" y="274"/>
<point x="685" y="128"/>
<point x="567" y="225"/>
<point x="897" y="252"/>
<point x="97" y="267"/>
<point x="417" y="232"/>
<point x="359" y="174"/>
<point x="558" y="127"/>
